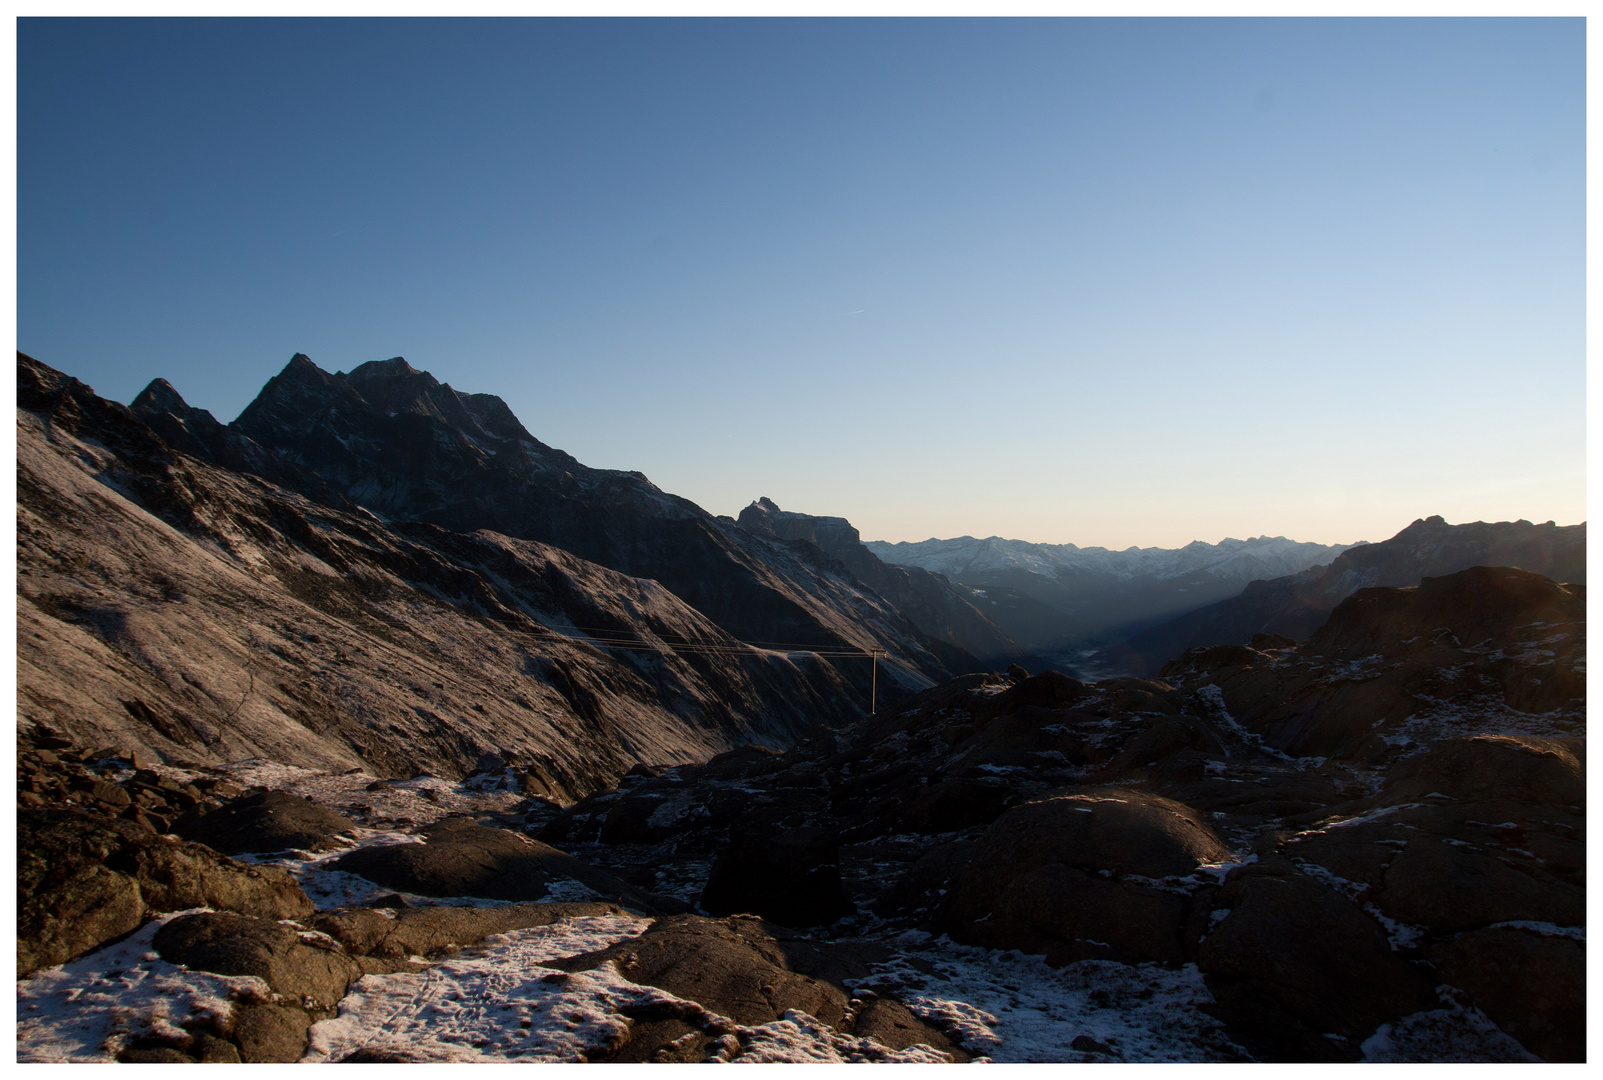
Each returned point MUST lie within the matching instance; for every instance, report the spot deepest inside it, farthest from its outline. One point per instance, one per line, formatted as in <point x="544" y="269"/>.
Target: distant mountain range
<point x="1051" y="597"/>
<point x="1293" y="606"/>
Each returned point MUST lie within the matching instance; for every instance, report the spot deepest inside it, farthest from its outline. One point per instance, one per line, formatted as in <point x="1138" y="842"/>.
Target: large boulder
<point x="1077" y="875"/>
<point x="1450" y="886"/>
<point x="791" y="877"/>
<point x="736" y="969"/>
<point x="462" y="858"/>
<point x="268" y="821"/>
<point x="1301" y="973"/>
<point x="733" y="967"/>
<point x="1472" y="832"/>
<point x="1495" y="768"/>
<point x="892" y="1024"/>
<point x="312" y="976"/>
<point x="427" y="931"/>
<point x="84" y="880"/>
<point x="1533" y="985"/>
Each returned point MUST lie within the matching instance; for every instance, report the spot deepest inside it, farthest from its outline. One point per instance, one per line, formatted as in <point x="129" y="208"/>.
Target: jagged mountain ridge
<point x="400" y="444"/>
<point x="1241" y="560"/>
<point x="1295" y="605"/>
<point x="174" y="606"/>
<point x="1051" y="596"/>
<point x="937" y="607"/>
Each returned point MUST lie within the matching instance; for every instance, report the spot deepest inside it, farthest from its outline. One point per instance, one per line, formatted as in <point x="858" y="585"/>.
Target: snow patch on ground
<point x="91" y="1008"/>
<point x="421" y="800"/>
<point x="1455" y="1033"/>
<point x="495" y="1003"/>
<point x="797" y="1037"/>
<point x="1014" y="1008"/>
<point x="501" y="1003"/>
<point x="1545" y="929"/>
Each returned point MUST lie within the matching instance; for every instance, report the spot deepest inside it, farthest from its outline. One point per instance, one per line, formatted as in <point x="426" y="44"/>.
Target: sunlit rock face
<point x="185" y="610"/>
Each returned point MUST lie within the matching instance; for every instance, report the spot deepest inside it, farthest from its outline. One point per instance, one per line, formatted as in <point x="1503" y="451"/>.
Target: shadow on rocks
<point x="791" y="877"/>
<point x="460" y="857"/>
<point x="265" y="822"/>
<point x="1079" y="875"/>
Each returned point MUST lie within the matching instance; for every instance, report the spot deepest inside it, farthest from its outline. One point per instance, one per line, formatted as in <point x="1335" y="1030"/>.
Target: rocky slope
<point x="1227" y="866"/>
<point x="1049" y="596"/>
<point x="405" y="447"/>
<point x="192" y="612"/>
<point x="929" y="600"/>
<point x="291" y="783"/>
<point x="1295" y="604"/>
<point x="1352" y="839"/>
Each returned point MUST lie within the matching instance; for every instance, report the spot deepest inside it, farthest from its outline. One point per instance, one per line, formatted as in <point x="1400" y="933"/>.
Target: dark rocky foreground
<point x="1344" y="840"/>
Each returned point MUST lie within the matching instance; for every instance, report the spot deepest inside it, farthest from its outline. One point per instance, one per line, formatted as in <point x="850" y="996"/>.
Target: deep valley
<point x="370" y="728"/>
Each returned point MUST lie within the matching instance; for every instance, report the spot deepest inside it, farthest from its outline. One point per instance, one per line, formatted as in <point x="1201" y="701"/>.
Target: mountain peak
<point x="159" y="396"/>
<point x="395" y="367"/>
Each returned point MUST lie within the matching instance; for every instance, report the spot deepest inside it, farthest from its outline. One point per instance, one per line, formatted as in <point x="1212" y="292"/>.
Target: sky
<point x="1103" y="282"/>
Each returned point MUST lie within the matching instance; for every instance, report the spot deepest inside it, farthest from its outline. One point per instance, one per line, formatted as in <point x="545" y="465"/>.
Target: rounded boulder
<point x="1078" y="874"/>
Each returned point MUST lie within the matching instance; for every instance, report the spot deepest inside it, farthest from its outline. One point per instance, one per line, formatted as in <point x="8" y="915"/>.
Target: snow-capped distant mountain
<point x="1053" y="596"/>
<point x="1235" y="560"/>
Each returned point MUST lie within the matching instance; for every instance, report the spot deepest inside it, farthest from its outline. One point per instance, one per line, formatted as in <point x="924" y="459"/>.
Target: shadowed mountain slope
<point x="937" y="607"/>
<point x="400" y="444"/>
<point x="1296" y="605"/>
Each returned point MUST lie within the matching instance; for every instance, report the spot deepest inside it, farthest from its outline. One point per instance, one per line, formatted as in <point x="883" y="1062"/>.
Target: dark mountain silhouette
<point x="401" y="445"/>
<point x="1296" y="605"/>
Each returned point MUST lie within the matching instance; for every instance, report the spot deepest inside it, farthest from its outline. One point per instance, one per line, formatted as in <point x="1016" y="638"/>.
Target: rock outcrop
<point x="1085" y="873"/>
<point x="1487" y="649"/>
<point x="84" y="879"/>
<point x="1324" y="891"/>
<point x="460" y="857"/>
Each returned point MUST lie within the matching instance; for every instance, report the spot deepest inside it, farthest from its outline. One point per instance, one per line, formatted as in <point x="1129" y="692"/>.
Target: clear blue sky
<point x="1094" y="281"/>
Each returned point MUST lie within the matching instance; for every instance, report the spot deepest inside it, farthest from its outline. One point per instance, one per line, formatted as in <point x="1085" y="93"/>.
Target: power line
<point x="794" y="646"/>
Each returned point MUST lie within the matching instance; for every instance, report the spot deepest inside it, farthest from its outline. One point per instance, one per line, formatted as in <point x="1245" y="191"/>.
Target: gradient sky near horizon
<point x="1106" y="282"/>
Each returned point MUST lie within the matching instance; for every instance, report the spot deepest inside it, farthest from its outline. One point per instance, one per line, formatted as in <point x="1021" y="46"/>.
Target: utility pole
<point x="873" y="679"/>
